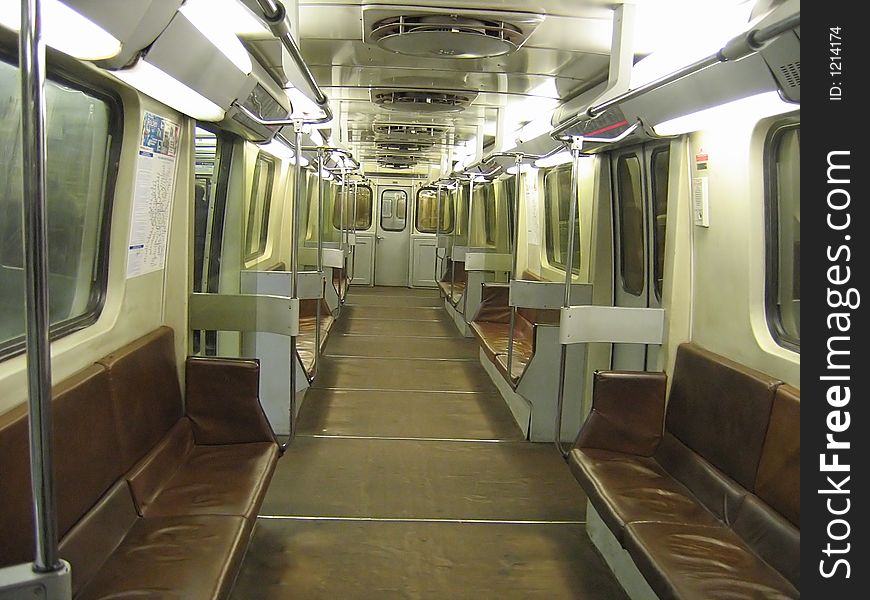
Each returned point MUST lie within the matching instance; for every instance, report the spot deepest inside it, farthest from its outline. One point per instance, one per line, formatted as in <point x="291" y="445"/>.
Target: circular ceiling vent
<point x="446" y="36"/>
<point x="421" y="101"/>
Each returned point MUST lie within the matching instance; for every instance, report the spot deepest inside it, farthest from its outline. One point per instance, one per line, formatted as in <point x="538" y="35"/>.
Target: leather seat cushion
<point x="173" y="558"/>
<point x="218" y="480"/>
<point x="625" y="488"/>
<point x="493" y="339"/>
<point x="691" y="561"/>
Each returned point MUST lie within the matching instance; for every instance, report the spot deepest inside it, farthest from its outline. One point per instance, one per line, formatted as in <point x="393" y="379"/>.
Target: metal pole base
<point x="21" y="582"/>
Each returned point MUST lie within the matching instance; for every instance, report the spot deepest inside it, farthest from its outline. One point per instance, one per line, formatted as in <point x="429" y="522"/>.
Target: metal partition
<point x="546" y="294"/>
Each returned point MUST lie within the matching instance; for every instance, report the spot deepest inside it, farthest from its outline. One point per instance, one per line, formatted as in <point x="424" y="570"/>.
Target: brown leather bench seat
<point x="156" y="498"/>
<point x="307" y="339"/>
<point x="491" y="327"/>
<point x="704" y="496"/>
<point x="454" y="292"/>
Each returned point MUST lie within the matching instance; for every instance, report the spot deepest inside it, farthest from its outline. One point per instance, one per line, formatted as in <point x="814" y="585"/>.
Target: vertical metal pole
<point x="319" y="256"/>
<point x="436" y="276"/>
<point x="514" y="240"/>
<point x="294" y="266"/>
<point x="34" y="221"/>
<point x="353" y="250"/>
<point x="576" y="147"/>
<point x="344" y="228"/>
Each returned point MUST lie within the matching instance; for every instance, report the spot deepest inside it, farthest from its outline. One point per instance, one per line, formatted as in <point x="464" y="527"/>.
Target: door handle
<point x="380" y="237"/>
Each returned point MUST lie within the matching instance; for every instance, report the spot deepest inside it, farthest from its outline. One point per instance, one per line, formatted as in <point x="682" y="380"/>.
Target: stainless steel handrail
<point x="576" y="148"/>
<point x="35" y="226"/>
<point x="294" y="270"/>
<point x="275" y="16"/>
<point x="739" y="47"/>
<point x="319" y="259"/>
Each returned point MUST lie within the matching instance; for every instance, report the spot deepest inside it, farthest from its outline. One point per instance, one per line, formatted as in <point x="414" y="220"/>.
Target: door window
<point x="630" y="214"/>
<point x="394" y="208"/>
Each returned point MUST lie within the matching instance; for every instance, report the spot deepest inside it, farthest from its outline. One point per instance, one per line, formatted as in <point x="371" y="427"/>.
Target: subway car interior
<point x="347" y="299"/>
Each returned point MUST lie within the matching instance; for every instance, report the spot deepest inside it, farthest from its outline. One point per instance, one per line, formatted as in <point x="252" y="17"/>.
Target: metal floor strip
<point x="417" y="520"/>
<point x="409" y="439"/>
<point x="458" y="359"/>
<point x="355" y="389"/>
<point x="391" y="336"/>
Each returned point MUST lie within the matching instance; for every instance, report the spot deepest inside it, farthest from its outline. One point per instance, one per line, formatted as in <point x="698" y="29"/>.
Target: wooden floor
<point x="408" y="477"/>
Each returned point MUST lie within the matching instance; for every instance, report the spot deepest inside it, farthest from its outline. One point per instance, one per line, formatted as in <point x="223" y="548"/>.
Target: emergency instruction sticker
<point x="152" y="202"/>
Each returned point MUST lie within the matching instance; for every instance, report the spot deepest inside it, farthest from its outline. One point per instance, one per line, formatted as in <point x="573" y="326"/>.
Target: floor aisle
<point x="409" y="478"/>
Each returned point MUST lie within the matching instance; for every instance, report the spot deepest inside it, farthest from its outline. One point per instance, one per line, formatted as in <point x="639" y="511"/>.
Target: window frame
<point x="773" y="314"/>
<point x="263" y="242"/>
<point x="381" y="209"/>
<point x="623" y="159"/>
<point x="445" y="202"/>
<point x="97" y="87"/>
<point x="353" y="226"/>
<point x="658" y="283"/>
<point x="549" y="249"/>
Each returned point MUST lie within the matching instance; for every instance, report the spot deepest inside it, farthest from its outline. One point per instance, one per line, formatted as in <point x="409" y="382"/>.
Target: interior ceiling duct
<point x="409" y="132"/>
<point x="397" y="146"/>
<point x="422" y="101"/>
<point x="446" y="36"/>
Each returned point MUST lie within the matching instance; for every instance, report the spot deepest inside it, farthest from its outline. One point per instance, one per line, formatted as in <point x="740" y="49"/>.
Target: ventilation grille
<point x="791" y="73"/>
<point x="435" y="133"/>
<point x="261" y="103"/>
<point x="446" y="36"/>
<point x="422" y="101"/>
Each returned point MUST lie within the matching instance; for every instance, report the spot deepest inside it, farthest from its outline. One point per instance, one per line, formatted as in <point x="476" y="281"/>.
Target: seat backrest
<point x="86" y="460"/>
<point x="143" y="379"/>
<point x="769" y="521"/>
<point x="720" y="409"/>
<point x="778" y="481"/>
<point x="494" y="304"/>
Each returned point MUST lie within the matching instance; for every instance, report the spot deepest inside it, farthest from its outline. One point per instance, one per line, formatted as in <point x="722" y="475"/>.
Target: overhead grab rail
<point x="739" y="47"/>
<point x="275" y="16"/>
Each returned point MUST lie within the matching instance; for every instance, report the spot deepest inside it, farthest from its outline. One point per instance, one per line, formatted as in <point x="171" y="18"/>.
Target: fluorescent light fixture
<point x="560" y="158"/>
<point x="680" y="32"/>
<point x="161" y="86"/>
<point x="278" y="149"/>
<point x="216" y="24"/>
<point x="235" y="17"/>
<point x="752" y="107"/>
<point x="66" y="30"/>
<point x="524" y="168"/>
<point x="281" y="150"/>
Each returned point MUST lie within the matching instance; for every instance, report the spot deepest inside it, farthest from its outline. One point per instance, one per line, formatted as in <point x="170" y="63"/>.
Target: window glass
<point x="258" y="207"/>
<point x="394" y="209"/>
<point x="212" y="170"/>
<point x="660" y="160"/>
<point x="79" y="140"/>
<point x="630" y="214"/>
<point x="557" y="206"/>
<point x="363" y="208"/>
<point x="784" y="227"/>
<point x="427" y="211"/>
